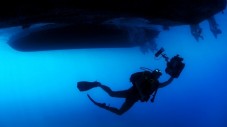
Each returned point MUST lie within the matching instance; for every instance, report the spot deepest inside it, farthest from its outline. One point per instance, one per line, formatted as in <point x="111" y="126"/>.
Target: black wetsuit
<point x="142" y="81"/>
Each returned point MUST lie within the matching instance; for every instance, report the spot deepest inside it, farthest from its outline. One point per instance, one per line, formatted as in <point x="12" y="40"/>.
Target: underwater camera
<point x="174" y="66"/>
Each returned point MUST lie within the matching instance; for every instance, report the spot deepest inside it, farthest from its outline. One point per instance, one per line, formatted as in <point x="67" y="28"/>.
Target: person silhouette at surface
<point x="214" y="26"/>
<point x="196" y="31"/>
<point x="145" y="84"/>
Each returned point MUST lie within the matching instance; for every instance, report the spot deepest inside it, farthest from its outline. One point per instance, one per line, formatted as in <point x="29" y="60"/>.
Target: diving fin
<point x="84" y="86"/>
<point x="103" y="105"/>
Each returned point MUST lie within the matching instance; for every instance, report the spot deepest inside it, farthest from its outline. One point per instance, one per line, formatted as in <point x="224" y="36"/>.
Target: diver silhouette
<point x="144" y="85"/>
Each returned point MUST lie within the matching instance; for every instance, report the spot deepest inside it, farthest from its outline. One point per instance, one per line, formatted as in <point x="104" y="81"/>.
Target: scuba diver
<point x="144" y="85"/>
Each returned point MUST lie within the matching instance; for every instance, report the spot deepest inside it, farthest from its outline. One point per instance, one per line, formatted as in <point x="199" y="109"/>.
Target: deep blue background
<point x="37" y="89"/>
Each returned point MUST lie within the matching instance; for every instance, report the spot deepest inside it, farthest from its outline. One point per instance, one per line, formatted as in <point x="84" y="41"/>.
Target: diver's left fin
<point x="84" y="85"/>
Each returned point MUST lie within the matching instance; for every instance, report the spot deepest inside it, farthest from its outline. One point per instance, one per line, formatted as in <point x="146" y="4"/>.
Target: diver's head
<point x="156" y="73"/>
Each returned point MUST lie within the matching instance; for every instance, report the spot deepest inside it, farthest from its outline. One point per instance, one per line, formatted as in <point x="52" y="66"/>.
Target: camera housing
<point x="174" y="66"/>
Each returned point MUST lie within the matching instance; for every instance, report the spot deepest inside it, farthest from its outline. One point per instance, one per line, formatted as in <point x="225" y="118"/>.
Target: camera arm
<point x="165" y="57"/>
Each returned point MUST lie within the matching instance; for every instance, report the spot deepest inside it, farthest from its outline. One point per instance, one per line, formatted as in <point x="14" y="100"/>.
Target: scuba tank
<point x="145" y="83"/>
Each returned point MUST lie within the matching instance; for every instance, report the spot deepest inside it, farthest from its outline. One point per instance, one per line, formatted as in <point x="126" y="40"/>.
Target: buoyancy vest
<point x="145" y="82"/>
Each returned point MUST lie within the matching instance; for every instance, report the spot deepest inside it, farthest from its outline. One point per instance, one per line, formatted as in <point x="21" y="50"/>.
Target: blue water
<point x="37" y="89"/>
